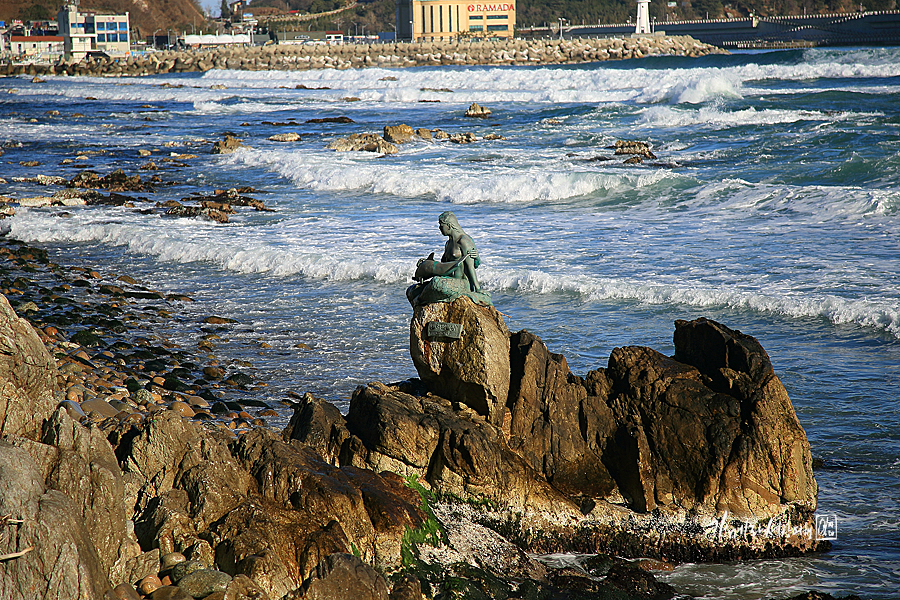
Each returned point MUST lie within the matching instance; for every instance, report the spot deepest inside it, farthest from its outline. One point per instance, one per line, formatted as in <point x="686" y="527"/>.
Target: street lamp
<point x="561" y="20"/>
<point x="154" y="39"/>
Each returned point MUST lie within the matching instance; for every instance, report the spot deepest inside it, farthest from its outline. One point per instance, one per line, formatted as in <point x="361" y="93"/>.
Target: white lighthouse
<point x="643" y="17"/>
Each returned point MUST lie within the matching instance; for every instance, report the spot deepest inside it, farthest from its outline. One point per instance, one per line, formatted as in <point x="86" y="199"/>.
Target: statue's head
<point x="449" y="219"/>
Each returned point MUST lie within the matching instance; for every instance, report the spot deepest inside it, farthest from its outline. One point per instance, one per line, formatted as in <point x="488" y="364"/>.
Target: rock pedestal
<point x="472" y="369"/>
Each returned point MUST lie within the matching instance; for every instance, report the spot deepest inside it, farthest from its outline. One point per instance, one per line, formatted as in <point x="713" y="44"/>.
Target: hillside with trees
<point x="145" y="15"/>
<point x="379" y="15"/>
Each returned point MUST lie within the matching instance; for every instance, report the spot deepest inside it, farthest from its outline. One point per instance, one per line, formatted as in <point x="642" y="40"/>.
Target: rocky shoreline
<point x="347" y="56"/>
<point x="121" y="468"/>
<point x="130" y="463"/>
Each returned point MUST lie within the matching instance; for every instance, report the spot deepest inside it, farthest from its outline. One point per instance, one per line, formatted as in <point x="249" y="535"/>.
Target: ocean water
<point x="773" y="207"/>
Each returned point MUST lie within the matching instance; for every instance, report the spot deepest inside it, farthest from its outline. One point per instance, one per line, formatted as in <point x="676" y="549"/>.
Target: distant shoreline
<point x="347" y="56"/>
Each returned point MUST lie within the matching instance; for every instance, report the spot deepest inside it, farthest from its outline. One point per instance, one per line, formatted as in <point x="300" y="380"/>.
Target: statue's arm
<point x="471" y="254"/>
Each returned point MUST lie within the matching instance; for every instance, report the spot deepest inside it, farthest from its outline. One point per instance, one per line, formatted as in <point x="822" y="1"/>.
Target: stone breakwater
<point x="347" y="56"/>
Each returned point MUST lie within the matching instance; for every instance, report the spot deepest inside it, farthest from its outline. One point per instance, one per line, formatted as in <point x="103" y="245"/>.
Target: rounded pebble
<point x="203" y="582"/>
<point x="149" y="584"/>
<point x="182" y="408"/>
<point x="74" y="409"/>
<point x="167" y="561"/>
<point x="125" y="591"/>
<point x="185" y="568"/>
<point x="142" y="397"/>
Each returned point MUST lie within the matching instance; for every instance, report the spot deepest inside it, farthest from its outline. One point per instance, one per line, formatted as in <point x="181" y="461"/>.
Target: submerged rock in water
<point x="227" y="145"/>
<point x="477" y="111"/>
<point x="368" y="142"/>
<point x="398" y="134"/>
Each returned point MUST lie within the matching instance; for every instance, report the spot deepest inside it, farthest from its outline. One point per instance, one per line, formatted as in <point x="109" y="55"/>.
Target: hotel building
<point x="448" y="20"/>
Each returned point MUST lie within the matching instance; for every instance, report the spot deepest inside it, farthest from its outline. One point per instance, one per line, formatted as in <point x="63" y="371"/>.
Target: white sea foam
<point x="287" y="254"/>
<point x="503" y="184"/>
<point x="187" y="241"/>
<point x="238" y="108"/>
<point x="695" y="87"/>
<point x="716" y="117"/>
<point x="555" y="85"/>
<point x="880" y="315"/>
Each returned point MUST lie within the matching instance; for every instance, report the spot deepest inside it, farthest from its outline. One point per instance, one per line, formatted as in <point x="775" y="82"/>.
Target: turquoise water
<point x="772" y="206"/>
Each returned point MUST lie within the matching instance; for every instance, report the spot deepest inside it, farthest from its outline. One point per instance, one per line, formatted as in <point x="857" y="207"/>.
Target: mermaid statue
<point x="452" y="276"/>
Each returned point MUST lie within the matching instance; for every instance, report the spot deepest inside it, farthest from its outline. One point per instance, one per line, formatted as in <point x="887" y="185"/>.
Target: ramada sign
<point x="491" y="7"/>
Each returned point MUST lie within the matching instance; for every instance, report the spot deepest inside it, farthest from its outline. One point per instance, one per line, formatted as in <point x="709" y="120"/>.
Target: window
<point x="123" y="37"/>
<point x="498" y="27"/>
<point x="474" y="27"/>
<point x="495" y="17"/>
<point x="89" y="28"/>
<point x="476" y="17"/>
<point x="101" y="26"/>
<point x="123" y="26"/>
<point x="101" y="37"/>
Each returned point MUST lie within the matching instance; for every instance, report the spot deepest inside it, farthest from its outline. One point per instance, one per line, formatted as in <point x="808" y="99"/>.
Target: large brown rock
<point x="63" y="561"/>
<point x="84" y="467"/>
<point x="771" y="462"/>
<point x="473" y="369"/>
<point x="168" y="452"/>
<point x="318" y="425"/>
<point x="560" y="424"/>
<point x="709" y="432"/>
<point x="398" y="134"/>
<point x="60" y="478"/>
<point x="455" y="451"/>
<point x="306" y="510"/>
<point x="343" y="575"/>
<point x="594" y="462"/>
<point x="27" y="377"/>
<point x="672" y="436"/>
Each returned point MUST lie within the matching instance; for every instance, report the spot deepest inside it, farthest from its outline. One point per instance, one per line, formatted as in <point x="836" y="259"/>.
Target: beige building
<point x="446" y="20"/>
<point x="36" y="45"/>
